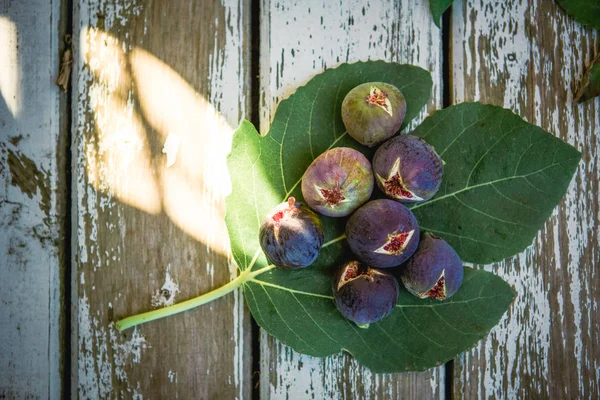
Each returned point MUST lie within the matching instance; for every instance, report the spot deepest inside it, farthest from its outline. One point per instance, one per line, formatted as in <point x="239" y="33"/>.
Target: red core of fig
<point x="437" y="292"/>
<point x="333" y="196"/>
<point x="277" y="217"/>
<point x="395" y="188"/>
<point x="378" y="97"/>
<point x="396" y="244"/>
<point x="351" y="272"/>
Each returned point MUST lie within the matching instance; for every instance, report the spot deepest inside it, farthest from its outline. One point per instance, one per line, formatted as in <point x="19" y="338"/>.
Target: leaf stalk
<point x="148" y="316"/>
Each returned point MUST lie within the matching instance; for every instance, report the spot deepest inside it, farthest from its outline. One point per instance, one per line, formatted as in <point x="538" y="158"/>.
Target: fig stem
<point x="363" y="326"/>
<point x="242" y="278"/>
<point x="332" y="241"/>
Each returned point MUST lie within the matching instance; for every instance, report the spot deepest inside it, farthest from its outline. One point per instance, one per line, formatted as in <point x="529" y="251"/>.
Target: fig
<point x="363" y="294"/>
<point x="435" y="270"/>
<point x="408" y="169"/>
<point x="338" y="182"/>
<point x="291" y="235"/>
<point x="373" y="112"/>
<point x="382" y="233"/>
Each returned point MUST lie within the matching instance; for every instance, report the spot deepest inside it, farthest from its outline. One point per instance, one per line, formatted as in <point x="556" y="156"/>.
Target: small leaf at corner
<point x="589" y="87"/>
<point x="438" y="7"/>
<point x="586" y="12"/>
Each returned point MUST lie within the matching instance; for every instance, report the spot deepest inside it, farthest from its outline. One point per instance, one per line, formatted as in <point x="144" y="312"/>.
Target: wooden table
<point x="96" y="227"/>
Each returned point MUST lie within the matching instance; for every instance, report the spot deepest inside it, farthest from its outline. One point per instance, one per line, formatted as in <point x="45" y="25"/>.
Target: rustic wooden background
<point x="95" y="226"/>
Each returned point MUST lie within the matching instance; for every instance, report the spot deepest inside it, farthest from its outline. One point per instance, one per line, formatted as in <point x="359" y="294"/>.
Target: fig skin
<point x="373" y="122"/>
<point x="291" y="235"/>
<point x="434" y="259"/>
<point x="363" y="294"/>
<point x="338" y="182"/>
<point x="408" y="169"/>
<point x="371" y="229"/>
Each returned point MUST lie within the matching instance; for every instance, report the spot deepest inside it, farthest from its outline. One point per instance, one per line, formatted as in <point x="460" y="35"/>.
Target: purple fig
<point x="291" y="235"/>
<point x="338" y="182"/>
<point x="383" y="233"/>
<point x="363" y="294"/>
<point x="373" y="112"/>
<point x="435" y="270"/>
<point x="408" y="169"/>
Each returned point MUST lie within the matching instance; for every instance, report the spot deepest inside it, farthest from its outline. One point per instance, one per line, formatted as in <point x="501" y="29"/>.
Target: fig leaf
<point x="438" y="7"/>
<point x="586" y="12"/>
<point x="589" y="87"/>
<point x="502" y="179"/>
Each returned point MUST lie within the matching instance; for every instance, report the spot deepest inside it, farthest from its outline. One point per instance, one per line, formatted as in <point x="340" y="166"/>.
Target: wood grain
<point x="528" y="56"/>
<point x="148" y="233"/>
<point x="299" y="40"/>
<point x="32" y="202"/>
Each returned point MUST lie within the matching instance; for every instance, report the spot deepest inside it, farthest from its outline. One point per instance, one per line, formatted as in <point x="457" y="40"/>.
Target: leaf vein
<point x="451" y="326"/>
<point x="463" y="237"/>
<point x="463" y="131"/>
<point x="418" y="331"/>
<point x="483" y="184"/>
<point x="283" y="320"/>
<point x="398" y="344"/>
<point x="488" y="215"/>
<point x="512" y="200"/>
<point x="488" y="150"/>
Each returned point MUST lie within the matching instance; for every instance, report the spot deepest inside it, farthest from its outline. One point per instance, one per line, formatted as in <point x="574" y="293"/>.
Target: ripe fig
<point x="291" y="235"/>
<point x="373" y="112"/>
<point x="408" y="169"/>
<point x="382" y="233"/>
<point x="434" y="271"/>
<point x="363" y="294"/>
<point x="338" y="182"/>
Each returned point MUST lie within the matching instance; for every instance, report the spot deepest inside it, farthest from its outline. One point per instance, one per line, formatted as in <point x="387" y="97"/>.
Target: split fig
<point x="435" y="270"/>
<point x="337" y="182"/>
<point x="408" y="169"/>
<point x="291" y="235"/>
<point x="363" y="294"/>
<point x="382" y="233"/>
<point x="373" y="112"/>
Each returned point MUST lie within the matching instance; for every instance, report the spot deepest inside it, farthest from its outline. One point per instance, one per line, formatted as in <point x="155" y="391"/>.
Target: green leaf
<point x="586" y="12"/>
<point x="438" y="7"/>
<point x="502" y="179"/>
<point x="297" y="308"/>
<point x="589" y="87"/>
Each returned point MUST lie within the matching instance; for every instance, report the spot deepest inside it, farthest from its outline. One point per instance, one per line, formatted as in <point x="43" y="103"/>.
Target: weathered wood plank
<point x="147" y="232"/>
<point x="32" y="201"/>
<point x="528" y="56"/>
<point x="299" y="40"/>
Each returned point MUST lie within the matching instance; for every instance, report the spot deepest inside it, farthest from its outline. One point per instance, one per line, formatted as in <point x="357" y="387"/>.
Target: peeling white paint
<point x="165" y="296"/>
<point x="30" y="264"/>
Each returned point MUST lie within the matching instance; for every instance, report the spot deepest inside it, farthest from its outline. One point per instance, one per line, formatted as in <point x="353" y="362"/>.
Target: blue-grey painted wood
<point x="32" y="200"/>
